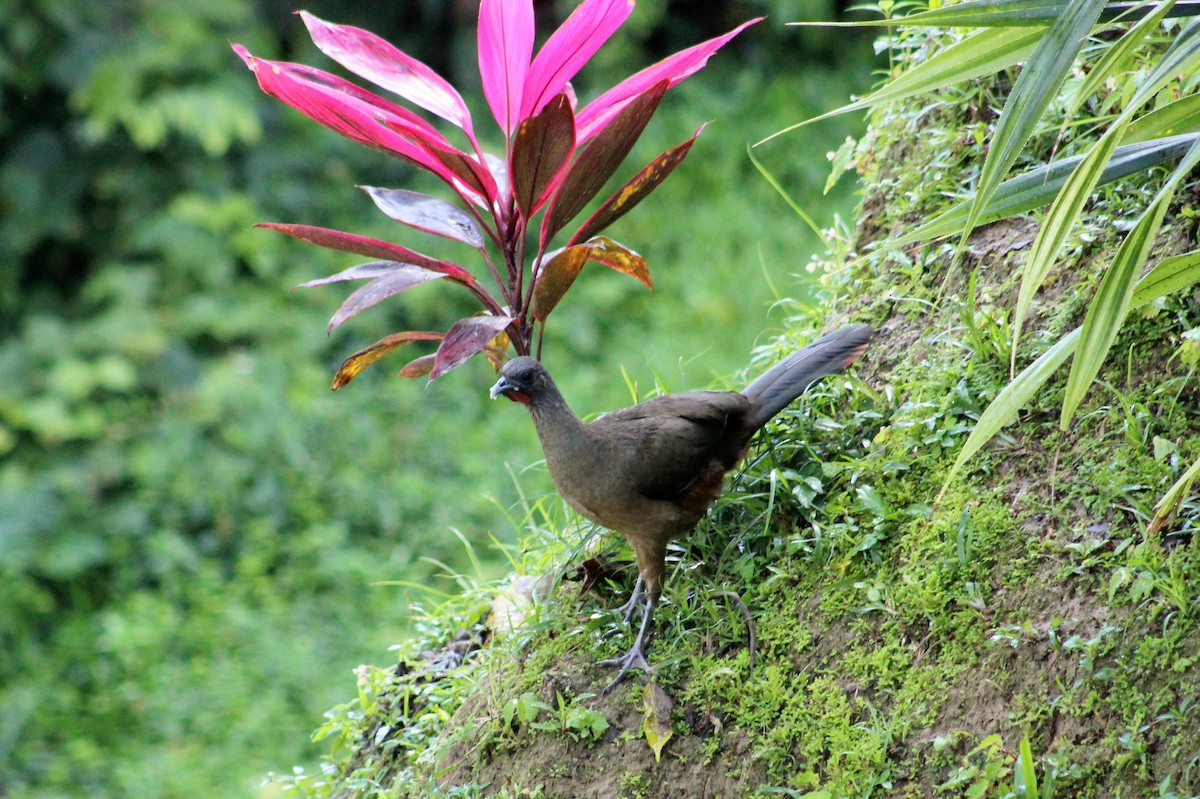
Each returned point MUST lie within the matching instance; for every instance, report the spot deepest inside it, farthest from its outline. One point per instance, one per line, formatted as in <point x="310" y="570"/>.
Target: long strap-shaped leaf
<point x="983" y="53"/>
<point x="1181" y="116"/>
<point x="1038" y="186"/>
<point x="1068" y="205"/>
<point x="1117" y="56"/>
<point x="1039" y="81"/>
<point x="1011" y="13"/>
<point x="1107" y="312"/>
<point x="1167" y="276"/>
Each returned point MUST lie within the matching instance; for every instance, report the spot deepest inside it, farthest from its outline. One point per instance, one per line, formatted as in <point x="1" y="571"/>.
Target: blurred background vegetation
<point x="193" y="528"/>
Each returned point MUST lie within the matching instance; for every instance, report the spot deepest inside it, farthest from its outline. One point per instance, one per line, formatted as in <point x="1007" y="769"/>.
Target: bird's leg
<point x="635" y="658"/>
<point x="628" y="608"/>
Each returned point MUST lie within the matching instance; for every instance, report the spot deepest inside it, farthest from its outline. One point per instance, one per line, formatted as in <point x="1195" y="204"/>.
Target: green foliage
<point x="194" y="533"/>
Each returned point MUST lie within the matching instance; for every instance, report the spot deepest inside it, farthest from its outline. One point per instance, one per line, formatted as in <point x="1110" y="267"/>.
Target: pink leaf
<point x="505" y="46"/>
<point x="380" y="62"/>
<point x="427" y="213"/>
<point x="465" y="338"/>
<point x="371" y="248"/>
<point x="673" y="68"/>
<point x="469" y="172"/>
<point x="352" y="111"/>
<point x="569" y="48"/>
<point x="398" y="280"/>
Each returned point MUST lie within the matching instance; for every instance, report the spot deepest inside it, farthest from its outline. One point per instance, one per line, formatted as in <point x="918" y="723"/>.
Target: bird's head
<point x="521" y="380"/>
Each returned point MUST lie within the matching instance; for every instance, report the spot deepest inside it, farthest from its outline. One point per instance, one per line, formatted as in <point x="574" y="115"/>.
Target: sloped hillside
<point x="906" y="642"/>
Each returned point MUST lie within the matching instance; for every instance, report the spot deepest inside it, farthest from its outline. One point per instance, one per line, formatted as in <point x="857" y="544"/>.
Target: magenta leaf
<point x="361" y="272"/>
<point x="404" y="277"/>
<point x="371" y="248"/>
<point x="673" y="69"/>
<point x="365" y="357"/>
<point x="579" y="37"/>
<point x="469" y="173"/>
<point x="352" y="112"/>
<point x="505" y="46"/>
<point x="427" y="213"/>
<point x="625" y="198"/>
<point x="553" y="280"/>
<point x="541" y="150"/>
<point x="465" y="338"/>
<point x="380" y="62"/>
<point x="599" y="160"/>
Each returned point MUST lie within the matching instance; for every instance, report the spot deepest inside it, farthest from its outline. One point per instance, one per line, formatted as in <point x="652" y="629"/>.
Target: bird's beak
<point x="502" y="387"/>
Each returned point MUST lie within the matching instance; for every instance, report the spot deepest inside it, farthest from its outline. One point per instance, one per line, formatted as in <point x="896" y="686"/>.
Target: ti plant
<point x="557" y="157"/>
<point x="1150" y="115"/>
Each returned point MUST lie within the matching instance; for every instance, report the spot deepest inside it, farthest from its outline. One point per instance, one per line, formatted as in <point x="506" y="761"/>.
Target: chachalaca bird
<point x="651" y="471"/>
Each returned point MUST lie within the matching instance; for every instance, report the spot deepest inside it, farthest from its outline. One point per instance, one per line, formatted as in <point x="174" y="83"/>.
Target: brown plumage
<point x="651" y="471"/>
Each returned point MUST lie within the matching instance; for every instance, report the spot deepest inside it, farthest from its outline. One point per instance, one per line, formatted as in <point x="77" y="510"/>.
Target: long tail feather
<point x="776" y="388"/>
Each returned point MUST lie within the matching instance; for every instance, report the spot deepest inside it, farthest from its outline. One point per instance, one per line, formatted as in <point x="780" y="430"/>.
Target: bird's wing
<point x="667" y="441"/>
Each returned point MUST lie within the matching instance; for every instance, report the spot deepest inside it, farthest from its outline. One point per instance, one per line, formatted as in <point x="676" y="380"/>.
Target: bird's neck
<point x="560" y="431"/>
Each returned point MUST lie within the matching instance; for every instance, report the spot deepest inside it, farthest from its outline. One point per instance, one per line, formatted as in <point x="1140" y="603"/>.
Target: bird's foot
<point x="635" y="658"/>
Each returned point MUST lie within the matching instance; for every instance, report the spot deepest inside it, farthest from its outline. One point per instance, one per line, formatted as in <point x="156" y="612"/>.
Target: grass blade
<point x="1025" y="777"/>
<point x="1116" y="57"/>
<point x="1010" y="13"/>
<point x="1179" y="117"/>
<point x="1168" y="276"/>
<point x="1168" y="504"/>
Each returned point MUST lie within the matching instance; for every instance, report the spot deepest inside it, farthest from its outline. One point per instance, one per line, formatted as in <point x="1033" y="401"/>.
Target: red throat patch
<point x="519" y="396"/>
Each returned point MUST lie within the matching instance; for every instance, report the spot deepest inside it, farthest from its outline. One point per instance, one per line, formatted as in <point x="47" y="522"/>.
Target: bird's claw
<point x="635" y="658"/>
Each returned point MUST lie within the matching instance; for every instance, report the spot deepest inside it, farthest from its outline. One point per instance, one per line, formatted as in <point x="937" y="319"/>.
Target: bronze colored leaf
<point x="541" y="150"/>
<point x="599" y="160"/>
<point x="633" y="192"/>
<point x="371" y="248"/>
<point x="604" y="250"/>
<point x="427" y="213"/>
<point x="365" y="357"/>
<point x="418" y="367"/>
<point x="380" y="289"/>
<point x="465" y="338"/>
<point x="556" y="277"/>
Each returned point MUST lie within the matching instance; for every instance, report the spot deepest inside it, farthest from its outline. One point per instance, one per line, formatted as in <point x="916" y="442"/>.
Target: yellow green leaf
<point x="656" y="724"/>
